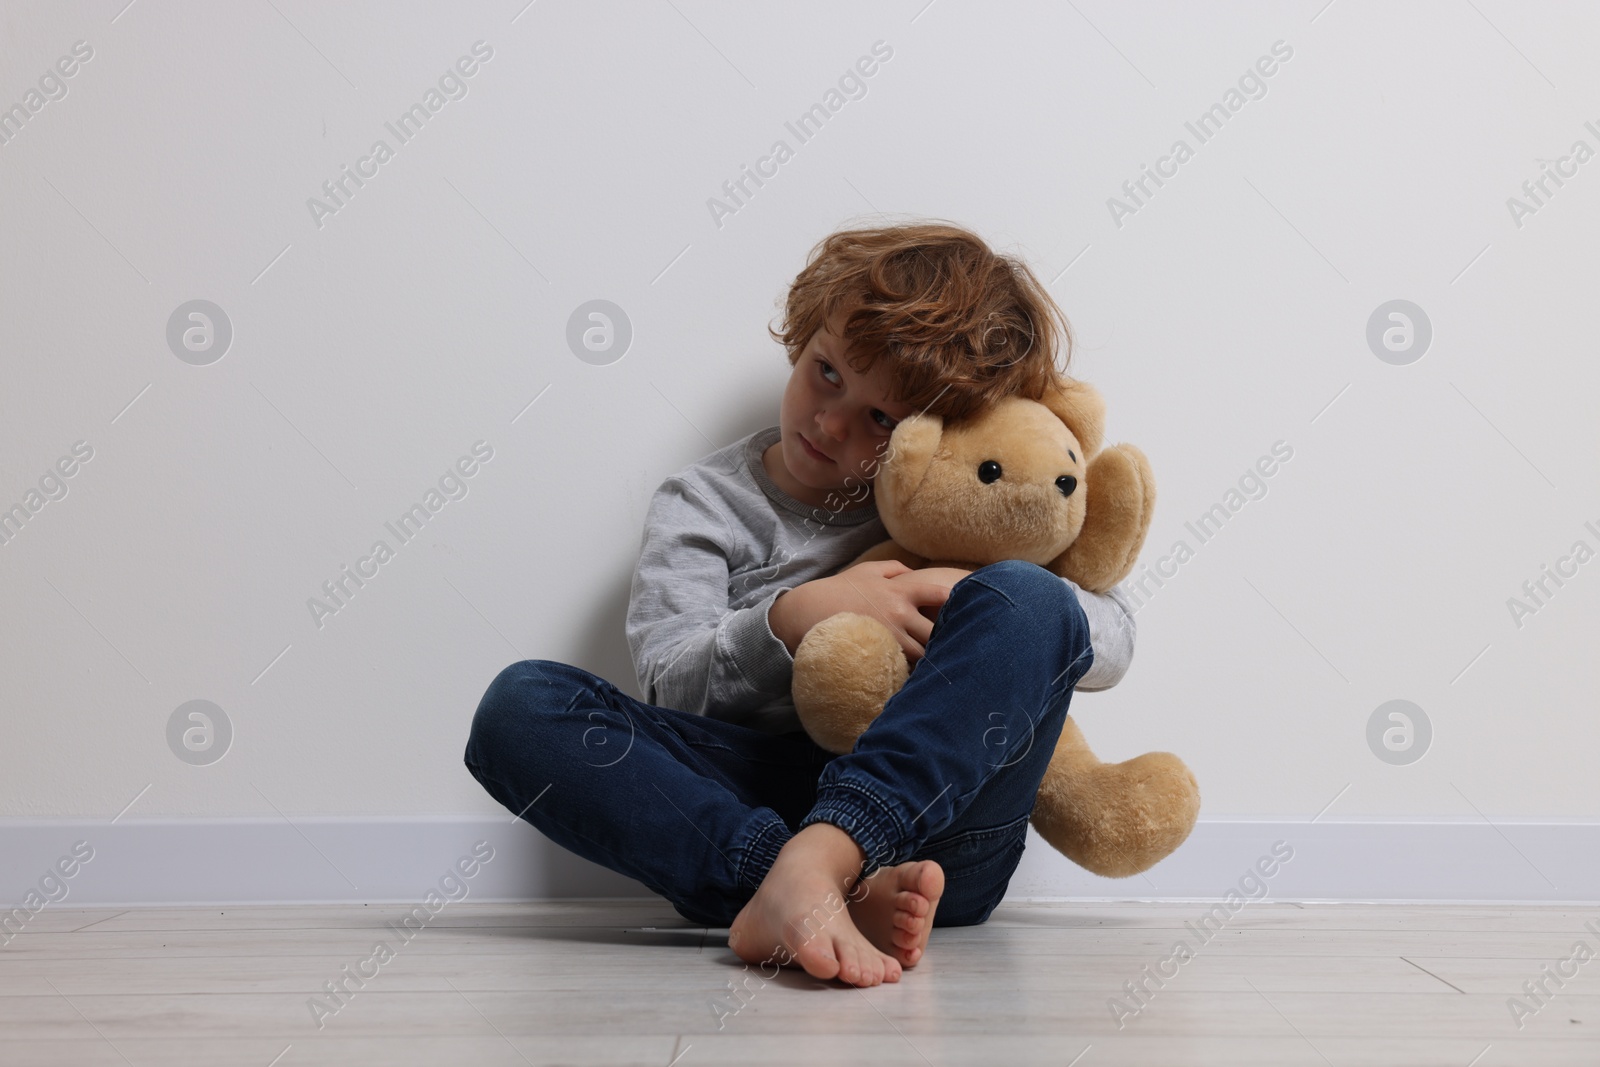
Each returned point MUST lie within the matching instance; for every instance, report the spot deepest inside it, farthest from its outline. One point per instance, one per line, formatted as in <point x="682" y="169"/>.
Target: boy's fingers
<point x="928" y="593"/>
<point x="915" y="638"/>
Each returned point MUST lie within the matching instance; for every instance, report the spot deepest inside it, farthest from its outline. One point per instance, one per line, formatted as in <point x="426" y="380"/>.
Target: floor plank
<point x="623" y="982"/>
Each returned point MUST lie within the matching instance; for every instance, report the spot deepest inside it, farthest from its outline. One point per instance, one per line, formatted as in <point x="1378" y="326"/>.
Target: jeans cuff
<point x="757" y="857"/>
<point x="857" y="811"/>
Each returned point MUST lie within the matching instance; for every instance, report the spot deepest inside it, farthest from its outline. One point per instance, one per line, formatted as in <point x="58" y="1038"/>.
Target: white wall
<point x="371" y="351"/>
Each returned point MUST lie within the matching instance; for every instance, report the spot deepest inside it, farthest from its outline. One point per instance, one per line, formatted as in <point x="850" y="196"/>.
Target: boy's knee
<point x="1036" y="590"/>
<point x="1018" y="578"/>
<point x="1043" y="599"/>
<point x="537" y="682"/>
<point x="515" y="699"/>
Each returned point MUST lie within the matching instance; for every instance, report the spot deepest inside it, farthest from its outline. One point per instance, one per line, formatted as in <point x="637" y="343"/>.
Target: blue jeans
<point x="696" y="808"/>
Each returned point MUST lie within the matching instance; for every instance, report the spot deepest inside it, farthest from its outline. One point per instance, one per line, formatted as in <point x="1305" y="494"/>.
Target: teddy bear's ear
<point x="910" y="456"/>
<point x="1080" y="406"/>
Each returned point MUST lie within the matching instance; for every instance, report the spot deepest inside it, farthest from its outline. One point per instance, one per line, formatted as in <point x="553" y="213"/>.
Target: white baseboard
<point x="145" y="862"/>
<point x="1433" y="861"/>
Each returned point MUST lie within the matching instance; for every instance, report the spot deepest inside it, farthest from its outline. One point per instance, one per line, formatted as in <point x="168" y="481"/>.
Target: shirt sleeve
<point x="691" y="651"/>
<point x="1111" y="635"/>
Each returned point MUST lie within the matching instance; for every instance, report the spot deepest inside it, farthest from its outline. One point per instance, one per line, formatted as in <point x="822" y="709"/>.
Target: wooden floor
<point x="631" y="983"/>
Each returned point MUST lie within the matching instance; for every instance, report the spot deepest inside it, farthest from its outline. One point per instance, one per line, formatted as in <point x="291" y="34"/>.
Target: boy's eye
<point x="826" y="369"/>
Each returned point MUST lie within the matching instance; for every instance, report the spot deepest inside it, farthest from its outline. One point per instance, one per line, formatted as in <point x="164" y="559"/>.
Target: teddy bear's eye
<point x="988" y="471"/>
<point x="1071" y="456"/>
<point x="1066" y="483"/>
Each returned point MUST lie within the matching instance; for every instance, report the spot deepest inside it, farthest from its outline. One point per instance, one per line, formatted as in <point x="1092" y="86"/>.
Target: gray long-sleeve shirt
<point x="721" y="542"/>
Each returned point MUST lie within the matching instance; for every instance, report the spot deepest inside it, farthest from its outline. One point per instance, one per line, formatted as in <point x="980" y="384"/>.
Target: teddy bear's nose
<point x="1066" y="483"/>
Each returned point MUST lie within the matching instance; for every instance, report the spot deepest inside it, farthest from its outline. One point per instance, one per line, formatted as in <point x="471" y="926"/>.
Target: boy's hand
<point x="905" y="600"/>
<point x="944" y="577"/>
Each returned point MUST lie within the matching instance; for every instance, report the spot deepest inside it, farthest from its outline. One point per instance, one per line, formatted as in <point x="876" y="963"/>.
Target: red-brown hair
<point x="961" y="325"/>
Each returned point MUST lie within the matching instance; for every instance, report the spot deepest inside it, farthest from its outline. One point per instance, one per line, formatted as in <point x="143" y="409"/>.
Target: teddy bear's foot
<point x="1119" y="819"/>
<point x="845" y="670"/>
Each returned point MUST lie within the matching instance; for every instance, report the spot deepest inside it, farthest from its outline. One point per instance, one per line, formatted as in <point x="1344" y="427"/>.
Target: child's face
<point x="841" y="413"/>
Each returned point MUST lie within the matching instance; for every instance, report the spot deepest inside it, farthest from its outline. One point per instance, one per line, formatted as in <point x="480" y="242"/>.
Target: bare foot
<point x="894" y="908"/>
<point x="799" y="917"/>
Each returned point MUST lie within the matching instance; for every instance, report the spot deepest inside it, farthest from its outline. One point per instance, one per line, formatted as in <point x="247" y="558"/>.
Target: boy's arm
<point x="1111" y="635"/>
<point x="690" y="651"/>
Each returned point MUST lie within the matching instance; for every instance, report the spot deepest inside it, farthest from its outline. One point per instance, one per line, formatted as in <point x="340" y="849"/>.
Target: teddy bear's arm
<point x="1122" y="497"/>
<point x="890" y="550"/>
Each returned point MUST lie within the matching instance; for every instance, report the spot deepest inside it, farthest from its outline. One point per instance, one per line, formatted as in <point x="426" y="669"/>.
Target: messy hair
<point x="961" y="325"/>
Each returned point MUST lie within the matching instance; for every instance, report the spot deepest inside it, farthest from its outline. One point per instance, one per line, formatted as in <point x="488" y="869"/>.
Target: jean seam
<point x="1017" y="847"/>
<point x="977" y="578"/>
<point x="978" y="831"/>
<point x="851" y="806"/>
<point x="477" y="772"/>
<point x="760" y="848"/>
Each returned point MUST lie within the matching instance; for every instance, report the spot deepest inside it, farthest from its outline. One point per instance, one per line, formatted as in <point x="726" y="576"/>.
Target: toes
<point x="914" y="903"/>
<point x="906" y="940"/>
<point x="873" y="965"/>
<point x="849" y="964"/>
<point x="871" y="968"/>
<point x="926" y="880"/>
<point x="930" y="880"/>
<point x="906" y="921"/>
<point x="819" y="961"/>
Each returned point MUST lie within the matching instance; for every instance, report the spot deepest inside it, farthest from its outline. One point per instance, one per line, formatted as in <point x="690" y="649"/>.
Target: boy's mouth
<point x="812" y="451"/>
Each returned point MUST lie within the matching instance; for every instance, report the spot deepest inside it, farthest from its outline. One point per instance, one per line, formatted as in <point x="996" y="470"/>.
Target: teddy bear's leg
<point x="1114" y="819"/>
<point x="845" y="670"/>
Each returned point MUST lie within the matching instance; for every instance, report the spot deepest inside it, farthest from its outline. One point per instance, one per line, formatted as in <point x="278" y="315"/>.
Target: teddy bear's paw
<point x="1120" y="819"/>
<point x="845" y="670"/>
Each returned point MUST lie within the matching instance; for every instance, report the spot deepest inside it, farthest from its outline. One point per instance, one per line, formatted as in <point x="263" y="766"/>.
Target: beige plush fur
<point x="1113" y="819"/>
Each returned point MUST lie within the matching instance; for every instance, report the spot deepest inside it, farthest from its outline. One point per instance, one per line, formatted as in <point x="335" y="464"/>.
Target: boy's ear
<point x="1080" y="406"/>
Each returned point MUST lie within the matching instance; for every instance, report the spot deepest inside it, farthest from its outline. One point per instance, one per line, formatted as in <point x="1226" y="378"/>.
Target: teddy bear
<point x="1021" y="479"/>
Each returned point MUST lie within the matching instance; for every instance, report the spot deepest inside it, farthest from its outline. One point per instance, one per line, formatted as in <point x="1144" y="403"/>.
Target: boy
<point x="709" y="791"/>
